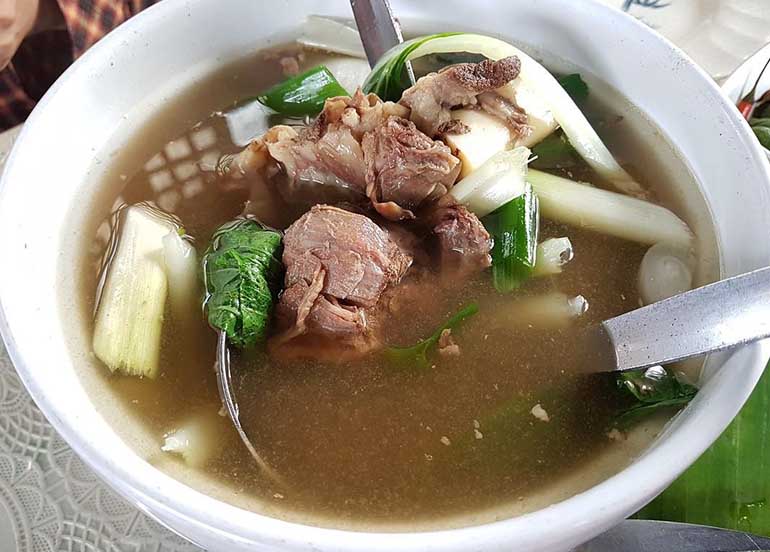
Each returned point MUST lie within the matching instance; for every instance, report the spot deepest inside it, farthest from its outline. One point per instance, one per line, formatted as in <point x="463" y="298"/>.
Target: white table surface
<point x="51" y="502"/>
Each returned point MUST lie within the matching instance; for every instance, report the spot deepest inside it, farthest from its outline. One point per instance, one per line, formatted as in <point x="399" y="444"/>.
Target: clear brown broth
<point x="363" y="440"/>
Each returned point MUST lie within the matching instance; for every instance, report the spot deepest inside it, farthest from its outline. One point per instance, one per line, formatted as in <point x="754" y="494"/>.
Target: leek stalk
<point x="129" y="315"/>
<point x="514" y="228"/>
<point x="304" y="94"/>
<point x="385" y="80"/>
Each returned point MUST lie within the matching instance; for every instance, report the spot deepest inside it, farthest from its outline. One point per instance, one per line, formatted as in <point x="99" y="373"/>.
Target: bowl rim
<point x="149" y="488"/>
<point x="735" y="83"/>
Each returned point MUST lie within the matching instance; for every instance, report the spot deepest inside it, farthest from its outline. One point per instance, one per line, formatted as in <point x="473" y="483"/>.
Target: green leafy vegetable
<point x="554" y="152"/>
<point x="760" y="124"/>
<point x="514" y="228"/>
<point x="763" y="135"/>
<point x="388" y="79"/>
<point x="242" y="268"/>
<point x="653" y="389"/>
<point x="304" y="94"/>
<point x="575" y="87"/>
<point x="417" y="355"/>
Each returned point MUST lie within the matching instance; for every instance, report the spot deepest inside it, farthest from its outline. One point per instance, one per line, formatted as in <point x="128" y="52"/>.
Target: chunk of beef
<point x="359" y="149"/>
<point x="503" y="108"/>
<point x="325" y="162"/>
<point x="433" y="96"/>
<point x="405" y="168"/>
<point x="446" y="344"/>
<point x="329" y="168"/>
<point x="359" y="113"/>
<point x="338" y="264"/>
<point x="463" y="242"/>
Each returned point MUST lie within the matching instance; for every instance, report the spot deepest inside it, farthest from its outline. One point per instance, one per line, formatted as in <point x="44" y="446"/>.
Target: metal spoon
<point x="660" y="536"/>
<point x="705" y="320"/>
<point x="379" y="30"/>
<point x="227" y="394"/>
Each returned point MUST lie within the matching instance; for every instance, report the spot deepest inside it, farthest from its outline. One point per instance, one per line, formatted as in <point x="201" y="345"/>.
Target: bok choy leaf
<point x="242" y="269"/>
<point x="304" y="94"/>
<point x="575" y="86"/>
<point x="417" y="355"/>
<point x="387" y="79"/>
<point x="514" y="228"/>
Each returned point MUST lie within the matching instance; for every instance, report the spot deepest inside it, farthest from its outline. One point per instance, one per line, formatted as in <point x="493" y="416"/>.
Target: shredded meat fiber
<point x="338" y="264"/>
<point x="433" y="97"/>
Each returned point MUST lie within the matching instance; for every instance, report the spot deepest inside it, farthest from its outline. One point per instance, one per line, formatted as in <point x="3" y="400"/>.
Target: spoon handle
<point x="378" y="29"/>
<point x="227" y="394"/>
<point x="711" y="318"/>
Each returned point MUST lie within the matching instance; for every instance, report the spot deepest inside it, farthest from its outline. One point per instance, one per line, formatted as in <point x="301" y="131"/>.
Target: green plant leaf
<point x="729" y="485"/>
<point x="417" y="355"/>
<point x="387" y="79"/>
<point x="575" y="86"/>
<point x="763" y="135"/>
<point x="554" y="152"/>
<point x="652" y="390"/>
<point x="242" y="268"/>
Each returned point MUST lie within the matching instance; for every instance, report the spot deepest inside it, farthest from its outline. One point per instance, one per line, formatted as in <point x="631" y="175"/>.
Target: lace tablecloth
<point x="50" y="501"/>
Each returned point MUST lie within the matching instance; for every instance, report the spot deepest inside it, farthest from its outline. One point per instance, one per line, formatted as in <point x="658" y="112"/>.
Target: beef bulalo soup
<point x="397" y="272"/>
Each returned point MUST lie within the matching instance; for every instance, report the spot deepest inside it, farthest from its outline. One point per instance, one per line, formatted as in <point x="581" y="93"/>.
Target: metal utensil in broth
<point x="227" y="394"/>
<point x="712" y="318"/>
<point x="378" y="29"/>
<point x="379" y="32"/>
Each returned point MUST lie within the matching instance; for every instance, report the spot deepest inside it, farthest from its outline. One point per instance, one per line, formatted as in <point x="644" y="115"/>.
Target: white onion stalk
<point x="497" y="181"/>
<point x="665" y="271"/>
<point x="330" y="35"/>
<point x="181" y="262"/>
<point x="534" y="76"/>
<point x="552" y="255"/>
<point x="129" y="317"/>
<point x="549" y="311"/>
<point x="350" y="72"/>
<point x="197" y="440"/>
<point x="608" y="212"/>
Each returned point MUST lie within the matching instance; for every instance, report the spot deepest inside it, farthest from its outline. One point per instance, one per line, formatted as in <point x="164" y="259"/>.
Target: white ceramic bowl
<point x="739" y="83"/>
<point x="143" y="62"/>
